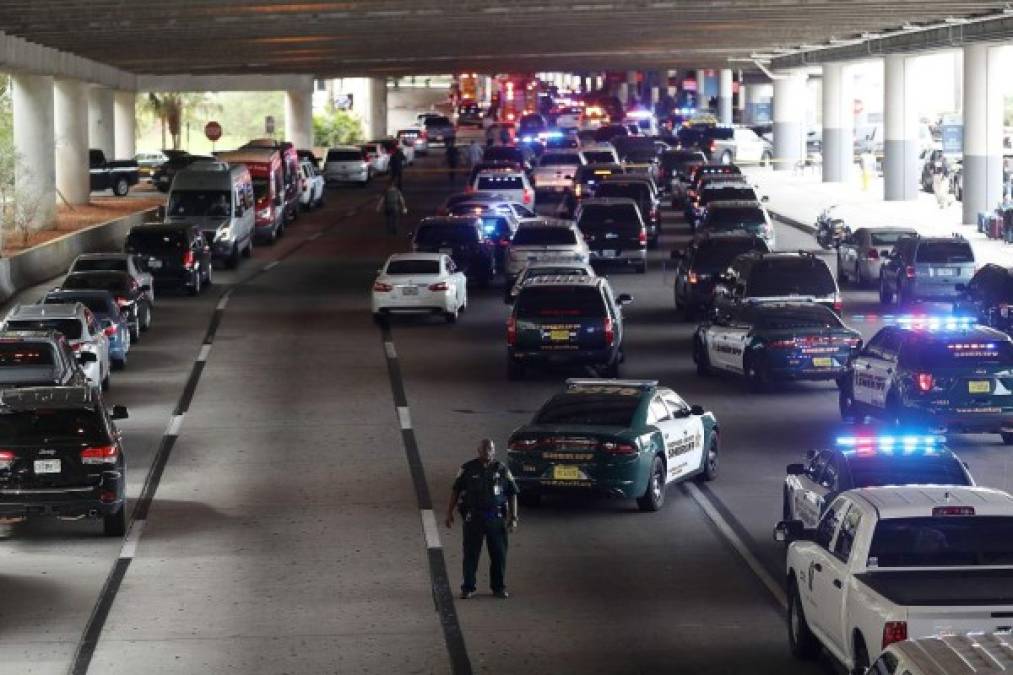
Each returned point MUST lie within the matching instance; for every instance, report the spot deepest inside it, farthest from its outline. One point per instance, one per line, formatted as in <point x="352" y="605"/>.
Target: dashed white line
<point x="271" y="265"/>
<point x="223" y="303"/>
<point x="314" y="237"/>
<point x="129" y="549"/>
<point x="205" y="350"/>
<point x="404" y="417"/>
<point x="388" y="347"/>
<point x="737" y="543"/>
<point x="430" y="530"/>
<point x="175" y="424"/>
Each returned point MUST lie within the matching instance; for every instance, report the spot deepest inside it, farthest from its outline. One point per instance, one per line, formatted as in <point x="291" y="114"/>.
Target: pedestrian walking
<point x="475" y="153"/>
<point x="941" y="185"/>
<point x="485" y="494"/>
<point x="396" y="166"/>
<point x="453" y="155"/>
<point x="392" y="205"/>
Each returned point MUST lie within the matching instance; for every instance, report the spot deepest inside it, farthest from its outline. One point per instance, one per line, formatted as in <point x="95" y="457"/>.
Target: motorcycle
<point x="830" y="231"/>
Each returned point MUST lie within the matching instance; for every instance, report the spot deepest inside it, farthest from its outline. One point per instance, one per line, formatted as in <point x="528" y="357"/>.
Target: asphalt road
<point x="285" y="534"/>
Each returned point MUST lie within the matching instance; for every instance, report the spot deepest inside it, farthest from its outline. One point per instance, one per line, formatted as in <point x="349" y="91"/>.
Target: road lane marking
<point x="430" y="529"/>
<point x="175" y="424"/>
<point x="388" y="347"/>
<point x="736" y="542"/>
<point x="314" y="237"/>
<point x="129" y="549"/>
<point x="404" y="417"/>
<point x="271" y="265"/>
<point x="224" y="302"/>
<point x="205" y="350"/>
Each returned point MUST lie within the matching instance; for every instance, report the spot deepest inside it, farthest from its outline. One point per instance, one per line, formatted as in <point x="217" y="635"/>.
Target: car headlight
<point x="264" y="213"/>
<point x="224" y="234"/>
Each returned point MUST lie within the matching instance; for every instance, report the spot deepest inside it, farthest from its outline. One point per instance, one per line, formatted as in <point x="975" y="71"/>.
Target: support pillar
<point x="378" y="107"/>
<point x="34" y="164"/>
<point x="299" y="118"/>
<point x="725" y="96"/>
<point x="789" y="112"/>
<point x="101" y="121"/>
<point x="125" y="116"/>
<point x="900" y="149"/>
<point x="983" y="130"/>
<point x="70" y="123"/>
<point x="740" y="100"/>
<point x="838" y="123"/>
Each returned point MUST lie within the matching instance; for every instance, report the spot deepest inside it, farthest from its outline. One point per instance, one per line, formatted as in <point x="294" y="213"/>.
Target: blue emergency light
<point x="888" y="444"/>
<point x="927" y="322"/>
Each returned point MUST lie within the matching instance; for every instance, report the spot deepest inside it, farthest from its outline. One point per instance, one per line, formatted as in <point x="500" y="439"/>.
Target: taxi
<point x="941" y="371"/>
<point x="622" y="438"/>
<point x="868" y="459"/>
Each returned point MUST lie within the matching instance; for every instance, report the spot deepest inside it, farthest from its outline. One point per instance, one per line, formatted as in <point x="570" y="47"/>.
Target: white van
<point x="971" y="654"/>
<point x="218" y="197"/>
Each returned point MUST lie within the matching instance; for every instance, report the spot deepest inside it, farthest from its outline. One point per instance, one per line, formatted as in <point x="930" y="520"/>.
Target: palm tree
<point x="170" y="108"/>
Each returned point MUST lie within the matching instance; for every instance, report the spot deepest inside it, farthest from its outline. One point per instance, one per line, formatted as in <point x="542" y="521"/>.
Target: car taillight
<point x="188" y="259"/>
<point x="838" y="303"/>
<point x="894" y="631"/>
<point x="381" y="287"/>
<point x="6" y="459"/>
<point x="642" y="238"/>
<point x="872" y="254"/>
<point x="110" y="331"/>
<point x="577" y="189"/>
<point x="440" y="286"/>
<point x="924" y="381"/>
<point x="710" y="146"/>
<point x="692" y="278"/>
<point x="527" y="196"/>
<point x="910" y="272"/>
<point x="617" y="448"/>
<point x="782" y="344"/>
<point x="523" y="444"/>
<point x="76" y="346"/>
<point x="610" y="333"/>
<point x="105" y="454"/>
<point x="511" y="331"/>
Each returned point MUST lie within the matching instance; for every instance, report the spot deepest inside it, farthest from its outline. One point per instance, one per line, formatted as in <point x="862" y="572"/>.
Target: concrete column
<point x="125" y="115"/>
<point x="378" y="107"/>
<point x="725" y="96"/>
<point x="299" y="118"/>
<point x="34" y="165"/>
<point x="983" y="130"/>
<point x="838" y="123"/>
<point x="900" y="149"/>
<point x="101" y="120"/>
<point x="740" y="102"/>
<point x="70" y="122"/>
<point x="789" y="111"/>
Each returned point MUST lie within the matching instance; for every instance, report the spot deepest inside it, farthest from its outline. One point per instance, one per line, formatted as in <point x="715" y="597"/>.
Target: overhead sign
<point x="269" y="125"/>
<point x="952" y="129"/>
<point x="689" y="85"/>
<point x="213" y="131"/>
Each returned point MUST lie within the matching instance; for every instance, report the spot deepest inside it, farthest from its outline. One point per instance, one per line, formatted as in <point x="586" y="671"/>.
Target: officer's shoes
<point x="502" y="595"/>
<point x="466" y="595"/>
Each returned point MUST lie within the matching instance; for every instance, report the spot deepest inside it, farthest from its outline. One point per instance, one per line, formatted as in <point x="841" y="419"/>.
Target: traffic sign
<point x="213" y="131"/>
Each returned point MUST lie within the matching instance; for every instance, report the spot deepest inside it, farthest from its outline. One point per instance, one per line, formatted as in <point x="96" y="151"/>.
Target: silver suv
<point x="544" y="240"/>
<point x="926" y="268"/>
<point x="78" y="325"/>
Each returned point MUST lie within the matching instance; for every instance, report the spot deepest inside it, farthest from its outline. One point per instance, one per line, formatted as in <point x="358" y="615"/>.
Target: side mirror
<point x="795" y="469"/>
<point x="87" y="357"/>
<point x="696" y="410"/>
<point x="764" y="199"/>
<point x="788" y="531"/>
<point x="119" y="412"/>
<point x="624" y="299"/>
<point x="160" y="213"/>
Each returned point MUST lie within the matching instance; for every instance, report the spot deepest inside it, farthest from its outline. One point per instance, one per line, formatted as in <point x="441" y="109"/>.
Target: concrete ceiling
<point x="395" y="37"/>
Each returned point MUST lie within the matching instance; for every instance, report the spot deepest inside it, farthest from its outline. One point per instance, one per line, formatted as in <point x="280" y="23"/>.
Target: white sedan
<point x="312" y="182"/>
<point x="419" y="283"/>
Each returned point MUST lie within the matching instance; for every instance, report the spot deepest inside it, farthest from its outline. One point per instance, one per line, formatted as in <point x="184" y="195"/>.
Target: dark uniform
<point x="484" y="491"/>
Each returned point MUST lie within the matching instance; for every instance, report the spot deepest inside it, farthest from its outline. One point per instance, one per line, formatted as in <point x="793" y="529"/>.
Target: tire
<point x="654" y="496"/>
<point x="135" y="332"/>
<point x="145" y="320"/>
<point x="755" y="377"/>
<point x="529" y="498"/>
<point x="515" y="371"/>
<point x="194" y="288"/>
<point x="785" y="506"/>
<point x="121" y="187"/>
<point x="710" y="461"/>
<point x="859" y="279"/>
<point x="451" y="317"/>
<point x="861" y="664"/>
<point x="115" y="524"/>
<point x="801" y="641"/>
<point x="846" y="401"/>
<point x="248" y="251"/>
<point x="1007" y="437"/>
<point x="106" y="383"/>
<point x="885" y="296"/>
<point x="703" y="366"/>
<point x="119" y="364"/>
<point x="233" y="261"/>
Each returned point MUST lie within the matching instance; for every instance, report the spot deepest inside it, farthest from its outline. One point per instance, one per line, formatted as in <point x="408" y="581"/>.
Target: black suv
<point x="462" y="238"/>
<point x="614" y="231"/>
<point x="176" y="254"/>
<point x="989" y="297"/>
<point x="34" y="358"/>
<point x="566" y="320"/>
<point x="699" y="265"/>
<point x="62" y="456"/>
<point x="676" y="165"/>
<point x="779" y="276"/>
<point x="642" y="191"/>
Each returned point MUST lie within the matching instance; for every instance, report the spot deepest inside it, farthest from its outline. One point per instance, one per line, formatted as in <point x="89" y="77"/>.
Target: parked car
<point x="417" y="138"/>
<point x="615" y="231"/>
<point x="117" y="176"/>
<point x="545" y="240"/>
<point x="988" y="296"/>
<point x="780" y="276"/>
<point x="378" y="156"/>
<point x="347" y="164"/>
<point x="128" y="294"/>
<point x="34" y="358"/>
<point x="163" y="176"/>
<point x="78" y="325"/>
<point x="974" y="653"/>
<point x="176" y="254"/>
<point x="439" y="129"/>
<point x="117" y="262"/>
<point x="420" y="282"/>
<point x="511" y="184"/>
<point x="463" y="239"/>
<point x="312" y="196"/>
<point x="267" y="172"/>
<point x="861" y="254"/>
<point x="699" y="266"/>
<point x="926" y="269"/>
<point x="117" y="323"/>
<point x="148" y="162"/>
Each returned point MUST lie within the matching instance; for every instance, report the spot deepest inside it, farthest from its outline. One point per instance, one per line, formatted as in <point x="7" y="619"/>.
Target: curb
<point x="791" y="222"/>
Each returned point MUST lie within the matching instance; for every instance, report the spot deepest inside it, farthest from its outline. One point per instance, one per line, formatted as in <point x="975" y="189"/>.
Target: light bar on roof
<point x="899" y="443"/>
<point x="920" y="321"/>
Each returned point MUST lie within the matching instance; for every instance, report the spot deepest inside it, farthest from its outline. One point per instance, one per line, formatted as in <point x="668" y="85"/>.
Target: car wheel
<point x="861" y="664"/>
<point x="801" y="641"/>
<point x="135" y="331"/>
<point x="451" y="317"/>
<point x="248" y="251"/>
<point x="194" y="288"/>
<point x="106" y="383"/>
<point x="885" y="295"/>
<point x="703" y="366"/>
<point x="121" y="187"/>
<point x="115" y="524"/>
<point x="515" y="371"/>
<point x="145" y="319"/>
<point x="654" y="497"/>
<point x="756" y="378"/>
<point x="845" y="398"/>
<point x="207" y="277"/>
<point x="119" y="364"/>
<point x="233" y="261"/>
<point x="710" y="461"/>
<point x="1007" y="437"/>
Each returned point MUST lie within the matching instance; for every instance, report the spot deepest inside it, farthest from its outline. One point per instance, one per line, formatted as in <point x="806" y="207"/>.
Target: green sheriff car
<point x="620" y="438"/>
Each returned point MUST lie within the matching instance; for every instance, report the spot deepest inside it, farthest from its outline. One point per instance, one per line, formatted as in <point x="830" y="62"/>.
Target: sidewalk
<point x="800" y="198"/>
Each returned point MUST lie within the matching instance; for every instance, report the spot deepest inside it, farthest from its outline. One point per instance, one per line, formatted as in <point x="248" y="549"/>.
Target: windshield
<point x="35" y="427"/>
<point x="560" y="301"/>
<point x="783" y="318"/>
<point x="945" y="252"/>
<point x="549" y="271"/>
<point x="717" y="254"/>
<point x="744" y="217"/>
<point x="680" y="160"/>
<point x="344" y="156"/>
<point x="958" y="352"/>
<point x="642" y="156"/>
<point x="100" y="264"/>
<point x="888" y="238"/>
<point x="589" y="409"/>
<point x="544" y="236"/>
<point x="97" y="304"/>
<point x="727" y="194"/>
<point x="413" y="267"/>
<point x="599" y="156"/>
<point x="635" y="191"/>
<point x="13" y="355"/>
<point x="155" y="240"/>
<point x="213" y="203"/>
<point x="71" y="328"/>
<point x="945" y="541"/>
<point x="912" y="470"/>
<point x="626" y="216"/>
<point x="791" y="277"/>
<point x="559" y="159"/>
<point x="101" y="282"/>
<point x="438" y="234"/>
<point x="503" y="154"/>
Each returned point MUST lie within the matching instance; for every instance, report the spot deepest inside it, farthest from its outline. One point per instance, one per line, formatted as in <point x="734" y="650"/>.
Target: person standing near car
<point x="396" y="166"/>
<point x="486" y="495"/>
<point x="392" y="205"/>
<point x="475" y="153"/>
<point x="453" y="155"/>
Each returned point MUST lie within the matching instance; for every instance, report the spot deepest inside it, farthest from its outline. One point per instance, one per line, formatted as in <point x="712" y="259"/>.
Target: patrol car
<point x="968" y="654"/>
<point x="864" y="459"/>
<point x="776" y="341"/>
<point x="941" y="371"/>
<point x="622" y="438"/>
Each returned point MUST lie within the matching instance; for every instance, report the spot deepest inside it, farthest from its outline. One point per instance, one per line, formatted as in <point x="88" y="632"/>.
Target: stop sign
<point x="213" y="131"/>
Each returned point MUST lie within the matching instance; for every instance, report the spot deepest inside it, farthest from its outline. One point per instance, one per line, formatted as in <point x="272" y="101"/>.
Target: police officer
<point x="486" y="495"/>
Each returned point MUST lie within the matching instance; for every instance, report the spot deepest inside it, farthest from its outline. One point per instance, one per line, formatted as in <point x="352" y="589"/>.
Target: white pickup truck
<point x="888" y="563"/>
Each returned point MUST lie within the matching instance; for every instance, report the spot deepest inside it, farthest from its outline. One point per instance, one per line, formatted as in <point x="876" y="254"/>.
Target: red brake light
<point x="924" y="381"/>
<point x="642" y="238"/>
<point x="105" y="454"/>
<point x="511" y="331"/>
<point x="838" y="304"/>
<point x="940" y="511"/>
<point x="527" y="196"/>
<point x="523" y="444"/>
<point x="6" y="459"/>
<point x="76" y="346"/>
<point x="440" y="286"/>
<point x="614" y="448"/>
<point x="188" y="259"/>
<point x="423" y="134"/>
<point x="894" y="631"/>
<point x="910" y="272"/>
<point x="782" y="344"/>
<point x="872" y="254"/>
<point x="110" y="330"/>
<point x="381" y="287"/>
<point x="610" y="333"/>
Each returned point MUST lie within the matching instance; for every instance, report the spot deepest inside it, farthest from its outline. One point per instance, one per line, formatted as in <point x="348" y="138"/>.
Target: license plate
<point x="410" y="290"/>
<point x="608" y="253"/>
<point x="447" y="251"/>
<point x="823" y="362"/>
<point x="565" y="473"/>
<point x="979" y="387"/>
<point x="155" y="264"/>
<point x="945" y="272"/>
<point x="47" y="466"/>
<point x="559" y="335"/>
